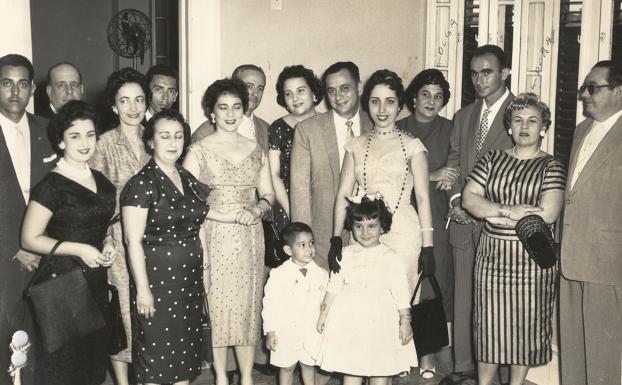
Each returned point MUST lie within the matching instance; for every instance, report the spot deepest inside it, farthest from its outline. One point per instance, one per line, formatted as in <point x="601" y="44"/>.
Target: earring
<point x="542" y="133"/>
<point x="213" y="119"/>
<point x="114" y="109"/>
<point x="509" y="131"/>
<point x="61" y="145"/>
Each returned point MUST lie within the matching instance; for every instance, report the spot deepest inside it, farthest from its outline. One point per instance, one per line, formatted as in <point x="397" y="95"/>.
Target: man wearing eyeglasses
<point x="591" y="251"/>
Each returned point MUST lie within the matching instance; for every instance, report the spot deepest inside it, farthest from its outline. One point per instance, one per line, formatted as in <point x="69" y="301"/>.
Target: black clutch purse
<point x="63" y="305"/>
<point x="274" y="255"/>
<point x="537" y="239"/>
<point x="428" y="321"/>
<point x="117" y="338"/>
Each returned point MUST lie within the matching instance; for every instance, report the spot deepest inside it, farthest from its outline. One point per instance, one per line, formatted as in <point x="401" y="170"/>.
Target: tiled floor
<point x="443" y="367"/>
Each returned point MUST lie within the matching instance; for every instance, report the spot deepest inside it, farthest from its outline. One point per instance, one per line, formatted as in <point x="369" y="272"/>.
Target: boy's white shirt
<point x="291" y="303"/>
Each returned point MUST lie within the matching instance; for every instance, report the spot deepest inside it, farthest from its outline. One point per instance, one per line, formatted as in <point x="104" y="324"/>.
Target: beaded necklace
<point x="369" y="139"/>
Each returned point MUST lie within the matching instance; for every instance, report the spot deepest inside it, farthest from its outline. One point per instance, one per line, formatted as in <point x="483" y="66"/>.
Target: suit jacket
<point x="13" y="206"/>
<point x="261" y="131"/>
<point x="314" y="176"/>
<point x="462" y="152"/>
<point x="592" y="222"/>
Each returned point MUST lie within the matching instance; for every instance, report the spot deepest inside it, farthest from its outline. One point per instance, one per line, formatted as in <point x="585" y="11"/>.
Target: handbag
<point x="537" y="239"/>
<point x="117" y="338"/>
<point x="274" y="254"/>
<point x="206" y="351"/>
<point x="428" y="321"/>
<point x="64" y="308"/>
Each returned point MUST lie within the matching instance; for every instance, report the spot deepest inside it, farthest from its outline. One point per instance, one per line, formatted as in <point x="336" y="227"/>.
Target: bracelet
<point x="427" y="229"/>
<point x="265" y="200"/>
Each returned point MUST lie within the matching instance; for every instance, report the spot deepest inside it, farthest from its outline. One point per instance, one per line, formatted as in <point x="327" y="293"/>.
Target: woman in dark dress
<point x="163" y="208"/>
<point x="426" y="95"/>
<point x="73" y="205"/>
<point x="298" y="91"/>
<point x="514" y="298"/>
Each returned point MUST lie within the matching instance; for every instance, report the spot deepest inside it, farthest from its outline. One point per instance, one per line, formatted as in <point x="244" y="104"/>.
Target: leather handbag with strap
<point x="63" y="305"/>
<point x="428" y="320"/>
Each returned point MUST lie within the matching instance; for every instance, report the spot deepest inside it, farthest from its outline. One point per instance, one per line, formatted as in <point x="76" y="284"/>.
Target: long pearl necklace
<point x="526" y="158"/>
<point x="73" y="171"/>
<point x="406" y="170"/>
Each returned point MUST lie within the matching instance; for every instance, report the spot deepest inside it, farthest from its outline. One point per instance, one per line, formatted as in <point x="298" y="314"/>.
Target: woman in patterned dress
<point x="237" y="171"/>
<point x="163" y="208"/>
<point x="298" y="91"/>
<point x="119" y="155"/>
<point x="514" y="297"/>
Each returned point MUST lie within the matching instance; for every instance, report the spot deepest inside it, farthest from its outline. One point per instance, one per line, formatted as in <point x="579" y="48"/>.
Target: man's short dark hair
<point x="161" y="69"/>
<point x="16" y="60"/>
<point x="493" y="50"/>
<point x="49" y="76"/>
<point x="614" y="78"/>
<point x="342" y="65"/>
<point x="291" y="231"/>
<point x="246" y="67"/>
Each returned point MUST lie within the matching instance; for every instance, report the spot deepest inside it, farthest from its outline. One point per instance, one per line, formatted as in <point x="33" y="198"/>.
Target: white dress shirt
<point x="341" y="129"/>
<point x="592" y="139"/>
<point x="17" y="137"/>
<point x="247" y="127"/>
<point x="494" y="109"/>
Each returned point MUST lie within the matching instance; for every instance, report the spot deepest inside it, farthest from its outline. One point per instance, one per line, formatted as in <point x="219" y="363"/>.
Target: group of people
<point x="172" y="219"/>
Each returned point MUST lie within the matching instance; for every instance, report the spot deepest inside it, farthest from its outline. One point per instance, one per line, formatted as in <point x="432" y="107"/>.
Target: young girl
<point x="365" y="315"/>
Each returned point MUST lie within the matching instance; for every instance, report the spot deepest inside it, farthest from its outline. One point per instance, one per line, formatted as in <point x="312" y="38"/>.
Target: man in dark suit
<point x="591" y="256"/>
<point x="25" y="157"/>
<point x="478" y="128"/>
<point x="163" y="92"/>
<point x="317" y="153"/>
<point x="64" y="83"/>
<point x="252" y="126"/>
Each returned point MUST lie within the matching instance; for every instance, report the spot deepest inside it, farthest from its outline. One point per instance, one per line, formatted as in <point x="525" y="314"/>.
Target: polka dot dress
<point x="167" y="347"/>
<point x="235" y="252"/>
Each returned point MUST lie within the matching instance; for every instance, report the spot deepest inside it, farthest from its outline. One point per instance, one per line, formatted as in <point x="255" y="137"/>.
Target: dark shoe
<point x="457" y="378"/>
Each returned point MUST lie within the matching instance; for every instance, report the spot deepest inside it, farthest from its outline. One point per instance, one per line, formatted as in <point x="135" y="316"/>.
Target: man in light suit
<point x="478" y="128"/>
<point x="25" y="157"/>
<point x="252" y="126"/>
<point x="317" y="153"/>
<point x="591" y="254"/>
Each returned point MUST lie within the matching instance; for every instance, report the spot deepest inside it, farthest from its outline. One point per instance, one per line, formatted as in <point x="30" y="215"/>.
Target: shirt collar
<point x="6" y="122"/>
<point x="609" y="122"/>
<point x="496" y="105"/>
<point x="341" y="121"/>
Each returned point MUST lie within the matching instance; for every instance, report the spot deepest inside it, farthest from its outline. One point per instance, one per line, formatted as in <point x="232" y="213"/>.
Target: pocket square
<point x="50" y="158"/>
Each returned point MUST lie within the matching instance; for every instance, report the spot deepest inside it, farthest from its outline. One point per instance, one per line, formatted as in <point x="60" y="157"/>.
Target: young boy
<point x="291" y="306"/>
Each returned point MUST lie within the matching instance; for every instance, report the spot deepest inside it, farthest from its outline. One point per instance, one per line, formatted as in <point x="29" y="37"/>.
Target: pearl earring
<point x="542" y="133"/>
<point x="509" y="131"/>
<point x="213" y="119"/>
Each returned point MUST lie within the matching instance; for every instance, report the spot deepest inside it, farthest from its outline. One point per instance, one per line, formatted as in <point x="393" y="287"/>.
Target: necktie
<point x="350" y="132"/>
<point x="483" y="131"/>
<point x="303" y="270"/>
<point x="22" y="163"/>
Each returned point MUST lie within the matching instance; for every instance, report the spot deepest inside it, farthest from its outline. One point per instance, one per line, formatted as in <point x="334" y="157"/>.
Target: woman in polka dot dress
<point x="237" y="171"/>
<point x="163" y="207"/>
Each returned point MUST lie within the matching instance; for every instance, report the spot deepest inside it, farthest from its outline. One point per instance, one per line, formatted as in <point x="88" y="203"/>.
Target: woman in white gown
<point x="392" y="163"/>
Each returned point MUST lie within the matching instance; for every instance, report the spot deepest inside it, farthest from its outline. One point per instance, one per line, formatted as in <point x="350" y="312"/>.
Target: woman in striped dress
<point x="514" y="297"/>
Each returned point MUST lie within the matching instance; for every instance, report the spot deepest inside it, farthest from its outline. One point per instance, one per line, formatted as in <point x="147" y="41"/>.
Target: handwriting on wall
<point x="543" y="52"/>
<point x="442" y="57"/>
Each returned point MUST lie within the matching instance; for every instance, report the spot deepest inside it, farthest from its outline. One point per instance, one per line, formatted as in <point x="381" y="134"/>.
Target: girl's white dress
<point x="361" y="334"/>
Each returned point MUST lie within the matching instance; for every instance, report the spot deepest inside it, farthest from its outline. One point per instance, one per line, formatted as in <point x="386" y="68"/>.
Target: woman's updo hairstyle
<point x="72" y="110"/>
<point x="387" y="78"/>
<point x="527" y="100"/>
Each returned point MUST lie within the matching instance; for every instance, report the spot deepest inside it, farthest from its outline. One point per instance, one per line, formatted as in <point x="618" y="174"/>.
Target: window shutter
<point x="567" y="80"/>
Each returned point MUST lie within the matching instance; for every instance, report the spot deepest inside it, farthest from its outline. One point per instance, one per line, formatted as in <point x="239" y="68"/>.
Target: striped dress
<point x="514" y="298"/>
